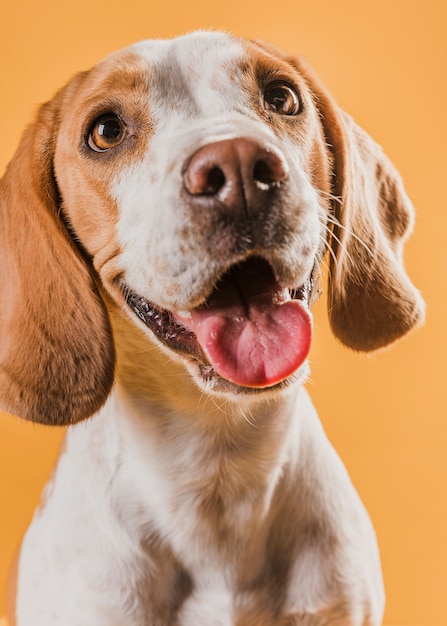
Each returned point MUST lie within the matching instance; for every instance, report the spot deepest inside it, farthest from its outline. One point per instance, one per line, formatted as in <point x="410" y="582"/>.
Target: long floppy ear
<point x="371" y="300"/>
<point x="56" y="349"/>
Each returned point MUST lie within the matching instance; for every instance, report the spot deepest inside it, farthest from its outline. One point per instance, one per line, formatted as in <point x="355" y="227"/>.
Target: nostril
<point x="269" y="170"/>
<point x="215" y="181"/>
<point x="202" y="178"/>
<point x="262" y="173"/>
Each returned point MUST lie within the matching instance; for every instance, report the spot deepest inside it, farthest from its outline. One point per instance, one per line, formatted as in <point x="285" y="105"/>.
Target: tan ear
<point x="371" y="300"/>
<point x="56" y="349"/>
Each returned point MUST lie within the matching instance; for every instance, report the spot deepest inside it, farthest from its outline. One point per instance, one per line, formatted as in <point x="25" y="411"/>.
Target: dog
<point x="163" y="227"/>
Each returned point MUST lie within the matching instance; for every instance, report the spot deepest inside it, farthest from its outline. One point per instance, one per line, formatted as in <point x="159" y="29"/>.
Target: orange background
<point x="385" y="61"/>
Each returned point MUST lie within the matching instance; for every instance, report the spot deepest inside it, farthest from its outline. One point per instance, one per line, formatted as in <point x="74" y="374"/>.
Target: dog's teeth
<point x="185" y="314"/>
<point x="283" y="296"/>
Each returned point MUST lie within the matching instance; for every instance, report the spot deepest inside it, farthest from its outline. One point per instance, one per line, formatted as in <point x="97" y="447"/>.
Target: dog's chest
<point x="200" y="578"/>
<point x="190" y="532"/>
<point x="199" y="567"/>
<point x="167" y="535"/>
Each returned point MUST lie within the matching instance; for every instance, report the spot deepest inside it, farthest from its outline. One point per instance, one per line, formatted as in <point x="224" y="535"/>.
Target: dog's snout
<point x="234" y="172"/>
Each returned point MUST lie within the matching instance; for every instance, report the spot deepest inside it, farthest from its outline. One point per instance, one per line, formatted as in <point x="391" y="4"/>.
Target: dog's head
<point x="197" y="184"/>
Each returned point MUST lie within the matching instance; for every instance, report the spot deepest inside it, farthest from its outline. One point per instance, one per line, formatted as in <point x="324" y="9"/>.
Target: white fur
<point x="136" y="478"/>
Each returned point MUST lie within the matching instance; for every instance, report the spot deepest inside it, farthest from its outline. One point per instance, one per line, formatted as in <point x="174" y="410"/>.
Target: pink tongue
<point x="250" y="335"/>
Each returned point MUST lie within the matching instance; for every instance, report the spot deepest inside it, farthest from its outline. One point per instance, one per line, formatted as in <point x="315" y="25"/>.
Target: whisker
<point x="247" y="419"/>
<point x="333" y="220"/>
<point x="330" y="196"/>
<point x="342" y="246"/>
<point x="221" y="409"/>
<point x="329" y="249"/>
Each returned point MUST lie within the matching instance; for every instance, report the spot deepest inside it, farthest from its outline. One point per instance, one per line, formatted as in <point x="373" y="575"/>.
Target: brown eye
<point x="107" y="132"/>
<point x="281" y="98"/>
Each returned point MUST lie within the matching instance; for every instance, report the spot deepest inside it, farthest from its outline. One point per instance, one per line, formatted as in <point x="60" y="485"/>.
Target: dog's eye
<point x="281" y="98"/>
<point x="107" y="132"/>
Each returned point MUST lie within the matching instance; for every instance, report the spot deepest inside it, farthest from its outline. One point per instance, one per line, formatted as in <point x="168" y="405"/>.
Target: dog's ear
<point x="56" y="348"/>
<point x="371" y="300"/>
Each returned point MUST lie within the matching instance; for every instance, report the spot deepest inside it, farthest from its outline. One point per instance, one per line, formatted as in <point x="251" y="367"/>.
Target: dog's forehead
<point x="180" y="67"/>
<point x="194" y="55"/>
<point x="190" y="68"/>
<point x="188" y="73"/>
<point x="191" y="74"/>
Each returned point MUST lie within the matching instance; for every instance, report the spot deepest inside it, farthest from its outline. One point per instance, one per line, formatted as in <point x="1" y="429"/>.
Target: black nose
<point x="237" y="173"/>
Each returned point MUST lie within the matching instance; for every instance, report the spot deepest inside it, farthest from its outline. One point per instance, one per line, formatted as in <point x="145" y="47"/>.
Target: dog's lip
<point x="161" y="322"/>
<point x="171" y="328"/>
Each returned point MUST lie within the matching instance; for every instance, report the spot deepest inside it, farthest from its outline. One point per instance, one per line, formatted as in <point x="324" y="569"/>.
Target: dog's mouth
<point x="250" y="331"/>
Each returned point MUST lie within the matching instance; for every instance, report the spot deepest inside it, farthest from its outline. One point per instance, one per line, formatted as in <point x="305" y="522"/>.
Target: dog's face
<point x="202" y="177"/>
<point x="195" y="173"/>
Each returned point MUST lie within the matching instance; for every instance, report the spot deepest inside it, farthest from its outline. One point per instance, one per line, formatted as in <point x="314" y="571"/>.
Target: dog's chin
<point x="181" y="332"/>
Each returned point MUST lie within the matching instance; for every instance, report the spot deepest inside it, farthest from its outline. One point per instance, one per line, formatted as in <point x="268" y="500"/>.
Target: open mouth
<point x="250" y="331"/>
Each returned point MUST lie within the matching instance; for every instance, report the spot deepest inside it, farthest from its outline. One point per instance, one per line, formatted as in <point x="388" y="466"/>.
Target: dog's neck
<point x="212" y="454"/>
<point x="212" y="473"/>
<point x="169" y="411"/>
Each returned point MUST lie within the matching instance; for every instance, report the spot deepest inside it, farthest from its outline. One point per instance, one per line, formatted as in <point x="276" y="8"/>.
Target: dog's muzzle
<point x="249" y="331"/>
